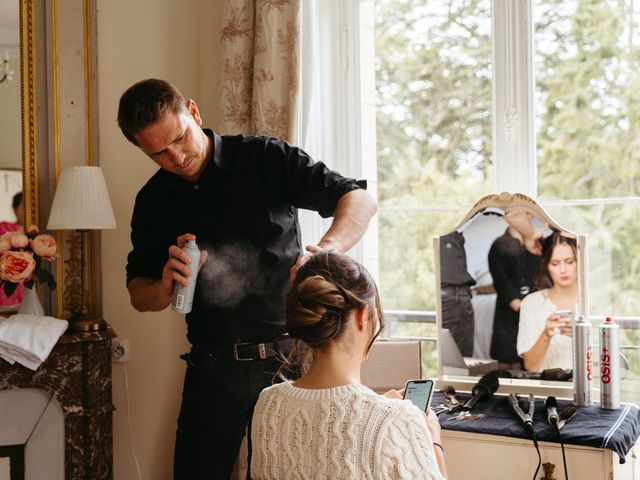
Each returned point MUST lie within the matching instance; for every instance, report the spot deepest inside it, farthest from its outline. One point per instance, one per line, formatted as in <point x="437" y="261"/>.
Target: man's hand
<point x="302" y="259"/>
<point x="153" y="294"/>
<point x="533" y="244"/>
<point x="515" y="304"/>
<point x="530" y="236"/>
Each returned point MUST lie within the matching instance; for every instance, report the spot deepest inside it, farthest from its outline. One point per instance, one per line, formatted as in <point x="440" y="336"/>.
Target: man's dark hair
<point x="17" y="198"/>
<point x="145" y="102"/>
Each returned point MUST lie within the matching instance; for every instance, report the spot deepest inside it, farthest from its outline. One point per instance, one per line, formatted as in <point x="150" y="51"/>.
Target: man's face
<point x="177" y="143"/>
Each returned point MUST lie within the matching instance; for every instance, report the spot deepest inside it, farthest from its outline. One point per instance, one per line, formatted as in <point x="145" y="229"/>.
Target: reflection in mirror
<point x="11" y="204"/>
<point x="10" y="124"/>
<point x="508" y="277"/>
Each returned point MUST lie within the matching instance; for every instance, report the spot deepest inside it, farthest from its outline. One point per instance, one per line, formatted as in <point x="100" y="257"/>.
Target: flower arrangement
<point x="22" y="254"/>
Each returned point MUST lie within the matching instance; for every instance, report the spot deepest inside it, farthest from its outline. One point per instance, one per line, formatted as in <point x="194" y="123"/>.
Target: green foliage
<point x="588" y="103"/>
<point x="434" y="133"/>
<point x="434" y="93"/>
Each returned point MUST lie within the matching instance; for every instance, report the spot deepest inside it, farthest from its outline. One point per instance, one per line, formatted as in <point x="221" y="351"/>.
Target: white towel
<point x="29" y="339"/>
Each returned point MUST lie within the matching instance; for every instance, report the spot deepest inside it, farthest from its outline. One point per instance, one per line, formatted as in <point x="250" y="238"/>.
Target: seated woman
<point x="544" y="336"/>
<point x="327" y="424"/>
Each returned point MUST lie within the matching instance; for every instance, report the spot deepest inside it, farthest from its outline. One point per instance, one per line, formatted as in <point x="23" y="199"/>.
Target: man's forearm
<point x="148" y="294"/>
<point x="350" y="221"/>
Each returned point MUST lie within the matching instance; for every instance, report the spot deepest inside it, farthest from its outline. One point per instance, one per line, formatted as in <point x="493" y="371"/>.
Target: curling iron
<point x="525" y="418"/>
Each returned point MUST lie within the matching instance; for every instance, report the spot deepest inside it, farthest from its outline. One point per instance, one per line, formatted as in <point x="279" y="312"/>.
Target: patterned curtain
<point x="260" y="61"/>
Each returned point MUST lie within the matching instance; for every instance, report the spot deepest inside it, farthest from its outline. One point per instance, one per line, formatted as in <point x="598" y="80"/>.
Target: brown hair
<point x="328" y="287"/>
<point x="17" y="198"/>
<point x="543" y="279"/>
<point x="144" y="103"/>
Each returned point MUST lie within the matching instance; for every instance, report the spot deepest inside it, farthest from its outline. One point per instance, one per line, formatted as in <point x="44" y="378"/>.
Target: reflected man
<point x="513" y="267"/>
<point x="455" y="289"/>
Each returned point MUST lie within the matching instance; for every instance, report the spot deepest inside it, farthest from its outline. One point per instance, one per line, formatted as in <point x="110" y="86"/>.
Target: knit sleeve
<point x="404" y="448"/>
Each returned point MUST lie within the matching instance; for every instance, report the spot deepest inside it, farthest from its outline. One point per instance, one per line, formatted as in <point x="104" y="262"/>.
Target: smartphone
<point x="564" y="313"/>
<point x="419" y="392"/>
<point x="567" y="315"/>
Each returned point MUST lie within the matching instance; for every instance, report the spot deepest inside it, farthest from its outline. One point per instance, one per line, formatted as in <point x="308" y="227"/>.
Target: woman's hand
<point x="557" y="325"/>
<point x="433" y="424"/>
<point x="397" y="394"/>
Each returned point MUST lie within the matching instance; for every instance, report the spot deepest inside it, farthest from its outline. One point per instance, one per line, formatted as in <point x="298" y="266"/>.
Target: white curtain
<point x="330" y="100"/>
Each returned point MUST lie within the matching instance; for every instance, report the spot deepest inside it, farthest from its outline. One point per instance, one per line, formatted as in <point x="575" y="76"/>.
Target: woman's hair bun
<point x="315" y="308"/>
<point x="326" y="290"/>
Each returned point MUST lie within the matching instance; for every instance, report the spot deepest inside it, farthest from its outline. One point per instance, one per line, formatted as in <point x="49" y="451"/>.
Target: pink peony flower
<point x="5" y="245"/>
<point x="16" y="267"/>
<point x="44" y="246"/>
<point x="9" y="235"/>
<point x="19" y="241"/>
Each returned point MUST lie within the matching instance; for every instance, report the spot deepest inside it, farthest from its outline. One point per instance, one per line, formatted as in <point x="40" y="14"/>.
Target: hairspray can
<point x="183" y="296"/>
<point x="582" y="362"/>
<point x="609" y="365"/>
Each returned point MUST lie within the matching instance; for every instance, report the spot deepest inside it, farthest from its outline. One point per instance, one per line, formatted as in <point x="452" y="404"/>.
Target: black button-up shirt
<point x="453" y="261"/>
<point x="243" y="211"/>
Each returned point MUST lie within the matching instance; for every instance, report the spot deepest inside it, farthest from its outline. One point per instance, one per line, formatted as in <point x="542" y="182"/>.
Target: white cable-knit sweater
<point x="347" y="432"/>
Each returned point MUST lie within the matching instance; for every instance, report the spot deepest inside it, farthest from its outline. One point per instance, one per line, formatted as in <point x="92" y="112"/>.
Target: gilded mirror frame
<point x="504" y="201"/>
<point x="48" y="144"/>
<point x="28" y="93"/>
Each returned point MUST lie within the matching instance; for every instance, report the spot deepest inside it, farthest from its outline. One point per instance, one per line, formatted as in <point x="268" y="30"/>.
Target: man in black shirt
<point x="238" y="196"/>
<point x="514" y="259"/>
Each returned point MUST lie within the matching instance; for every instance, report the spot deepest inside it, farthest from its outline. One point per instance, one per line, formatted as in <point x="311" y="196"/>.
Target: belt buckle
<point x="262" y="351"/>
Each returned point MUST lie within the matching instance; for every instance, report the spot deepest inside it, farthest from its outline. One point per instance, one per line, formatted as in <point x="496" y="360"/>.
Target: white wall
<point x="175" y="40"/>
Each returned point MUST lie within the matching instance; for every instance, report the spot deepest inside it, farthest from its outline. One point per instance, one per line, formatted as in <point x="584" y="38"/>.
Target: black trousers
<point x="458" y="318"/>
<point x="218" y="398"/>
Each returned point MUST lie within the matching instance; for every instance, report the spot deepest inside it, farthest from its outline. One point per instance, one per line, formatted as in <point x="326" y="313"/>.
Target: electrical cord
<point x="129" y="422"/>
<point x="535" y="444"/>
<point x="554" y="426"/>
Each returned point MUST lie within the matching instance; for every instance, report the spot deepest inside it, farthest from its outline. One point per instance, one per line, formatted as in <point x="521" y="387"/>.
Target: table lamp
<point x="81" y="203"/>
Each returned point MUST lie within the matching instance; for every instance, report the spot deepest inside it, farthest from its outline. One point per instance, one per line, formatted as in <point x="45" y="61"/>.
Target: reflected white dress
<point x="534" y="311"/>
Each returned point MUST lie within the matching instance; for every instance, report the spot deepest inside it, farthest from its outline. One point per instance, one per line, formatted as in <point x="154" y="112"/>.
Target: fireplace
<point x="12" y="462"/>
<point x="68" y="399"/>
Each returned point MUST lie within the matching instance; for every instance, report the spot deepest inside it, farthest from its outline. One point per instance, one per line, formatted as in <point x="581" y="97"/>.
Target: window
<point x="448" y="100"/>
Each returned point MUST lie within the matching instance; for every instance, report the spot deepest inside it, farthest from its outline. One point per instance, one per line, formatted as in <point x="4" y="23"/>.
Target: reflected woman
<point x="544" y="339"/>
<point x="18" y="209"/>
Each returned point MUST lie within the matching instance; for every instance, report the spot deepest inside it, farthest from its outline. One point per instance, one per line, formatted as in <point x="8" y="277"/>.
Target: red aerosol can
<point x="609" y="365"/>
<point x="582" y="362"/>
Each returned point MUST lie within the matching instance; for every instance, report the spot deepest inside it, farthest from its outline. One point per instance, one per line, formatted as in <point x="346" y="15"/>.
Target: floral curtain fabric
<point x="260" y="62"/>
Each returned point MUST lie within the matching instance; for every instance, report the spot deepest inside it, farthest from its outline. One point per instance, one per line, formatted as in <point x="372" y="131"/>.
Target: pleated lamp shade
<point x="81" y="201"/>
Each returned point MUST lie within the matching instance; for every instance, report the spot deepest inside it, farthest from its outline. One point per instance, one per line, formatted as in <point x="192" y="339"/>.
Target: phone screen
<point x="419" y="392"/>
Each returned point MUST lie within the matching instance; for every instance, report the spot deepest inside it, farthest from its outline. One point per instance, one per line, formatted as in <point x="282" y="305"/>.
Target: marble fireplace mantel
<point x="78" y="375"/>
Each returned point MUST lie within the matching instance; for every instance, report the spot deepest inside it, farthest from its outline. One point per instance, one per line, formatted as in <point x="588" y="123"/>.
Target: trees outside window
<point x="475" y="96"/>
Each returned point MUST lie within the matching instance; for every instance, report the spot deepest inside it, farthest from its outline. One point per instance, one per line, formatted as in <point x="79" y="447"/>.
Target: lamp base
<point x="81" y="324"/>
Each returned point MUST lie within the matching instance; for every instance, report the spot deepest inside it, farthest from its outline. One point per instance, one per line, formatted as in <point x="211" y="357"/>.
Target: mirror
<point x="11" y="171"/>
<point x="505" y="250"/>
<point x="10" y="125"/>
